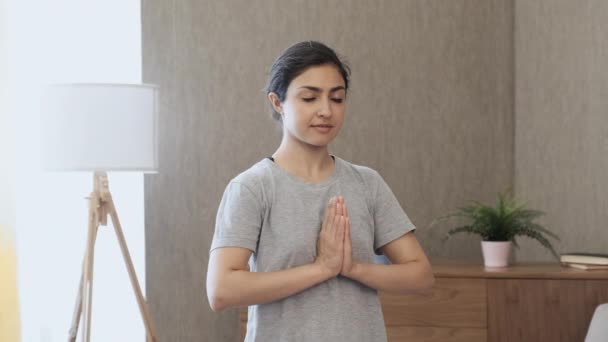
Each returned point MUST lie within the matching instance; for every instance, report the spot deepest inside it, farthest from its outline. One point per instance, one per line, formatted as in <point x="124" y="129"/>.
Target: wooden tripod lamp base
<point x="100" y="206"/>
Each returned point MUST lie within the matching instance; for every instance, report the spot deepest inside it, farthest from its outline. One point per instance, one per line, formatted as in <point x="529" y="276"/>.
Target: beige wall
<point x="561" y="107"/>
<point x="431" y="109"/>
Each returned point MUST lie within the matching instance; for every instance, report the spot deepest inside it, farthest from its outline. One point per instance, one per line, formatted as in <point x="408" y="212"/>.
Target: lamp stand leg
<point x="100" y="205"/>
<point x="85" y="288"/>
<point x="77" y="311"/>
<point x="73" y="333"/>
<point x="143" y="308"/>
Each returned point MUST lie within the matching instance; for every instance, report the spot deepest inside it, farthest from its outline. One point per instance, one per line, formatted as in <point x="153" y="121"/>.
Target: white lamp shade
<point x="100" y="127"/>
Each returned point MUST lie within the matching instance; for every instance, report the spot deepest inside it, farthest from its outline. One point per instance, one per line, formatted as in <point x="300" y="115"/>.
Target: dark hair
<point x="294" y="61"/>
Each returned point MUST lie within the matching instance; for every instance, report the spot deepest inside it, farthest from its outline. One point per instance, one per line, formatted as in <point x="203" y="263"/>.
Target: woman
<point x="309" y="223"/>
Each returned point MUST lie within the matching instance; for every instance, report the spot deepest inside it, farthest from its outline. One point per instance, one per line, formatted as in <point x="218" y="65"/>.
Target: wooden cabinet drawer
<point x="454" y="303"/>
<point x="435" y="334"/>
<point x="542" y="310"/>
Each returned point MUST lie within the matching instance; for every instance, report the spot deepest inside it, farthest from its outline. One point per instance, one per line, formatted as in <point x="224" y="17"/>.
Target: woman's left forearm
<point x="412" y="277"/>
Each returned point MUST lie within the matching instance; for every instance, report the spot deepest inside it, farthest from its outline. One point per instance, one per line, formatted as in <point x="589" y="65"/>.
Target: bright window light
<point x="71" y="41"/>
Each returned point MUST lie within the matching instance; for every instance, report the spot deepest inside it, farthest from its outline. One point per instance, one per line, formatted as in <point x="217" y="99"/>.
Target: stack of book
<point x="585" y="261"/>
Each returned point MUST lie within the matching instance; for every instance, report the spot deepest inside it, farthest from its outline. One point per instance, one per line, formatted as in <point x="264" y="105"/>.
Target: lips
<point x="323" y="128"/>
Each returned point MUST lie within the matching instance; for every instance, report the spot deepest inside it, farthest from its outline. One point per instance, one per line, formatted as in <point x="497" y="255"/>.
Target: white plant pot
<point x="496" y="253"/>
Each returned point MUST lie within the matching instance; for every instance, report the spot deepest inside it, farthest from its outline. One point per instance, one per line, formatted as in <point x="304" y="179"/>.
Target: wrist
<point x="354" y="271"/>
<point x="324" y="271"/>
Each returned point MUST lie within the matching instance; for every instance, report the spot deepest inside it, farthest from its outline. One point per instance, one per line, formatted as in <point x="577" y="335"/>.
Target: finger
<point x="348" y="247"/>
<point x="335" y="223"/>
<point x="332" y="209"/>
<point x="346" y="228"/>
<point x="340" y="230"/>
<point x="347" y="243"/>
<point x="347" y="232"/>
<point x="338" y="215"/>
<point x="328" y="215"/>
<point x="345" y="213"/>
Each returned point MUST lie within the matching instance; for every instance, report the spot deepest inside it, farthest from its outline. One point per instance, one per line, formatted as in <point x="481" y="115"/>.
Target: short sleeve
<point x="390" y="221"/>
<point x="239" y="218"/>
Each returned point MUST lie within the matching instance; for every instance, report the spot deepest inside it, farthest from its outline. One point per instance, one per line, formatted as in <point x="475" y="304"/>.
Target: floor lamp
<point x="101" y="128"/>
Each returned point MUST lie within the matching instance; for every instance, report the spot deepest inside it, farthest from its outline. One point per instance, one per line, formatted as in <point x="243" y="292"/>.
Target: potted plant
<point x="499" y="226"/>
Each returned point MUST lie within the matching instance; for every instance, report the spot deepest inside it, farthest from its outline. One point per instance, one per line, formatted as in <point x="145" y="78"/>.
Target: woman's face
<point x="314" y="106"/>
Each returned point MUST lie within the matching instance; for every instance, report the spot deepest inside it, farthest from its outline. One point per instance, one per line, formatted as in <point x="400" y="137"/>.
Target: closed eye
<point x="310" y="99"/>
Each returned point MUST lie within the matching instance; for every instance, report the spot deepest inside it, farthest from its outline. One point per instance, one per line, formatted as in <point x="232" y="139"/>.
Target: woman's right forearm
<point x="241" y="287"/>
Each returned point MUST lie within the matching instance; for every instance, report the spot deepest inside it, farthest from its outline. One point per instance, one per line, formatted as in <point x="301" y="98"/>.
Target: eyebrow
<point x="319" y="90"/>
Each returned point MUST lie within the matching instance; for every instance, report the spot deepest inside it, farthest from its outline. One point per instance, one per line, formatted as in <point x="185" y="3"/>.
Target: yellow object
<point x="9" y="305"/>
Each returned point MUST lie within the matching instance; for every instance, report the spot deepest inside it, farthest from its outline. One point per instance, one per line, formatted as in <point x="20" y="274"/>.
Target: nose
<point x="325" y="108"/>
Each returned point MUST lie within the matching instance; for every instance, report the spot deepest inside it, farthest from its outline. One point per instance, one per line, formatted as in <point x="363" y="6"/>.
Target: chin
<point x="315" y="141"/>
<point x="320" y="143"/>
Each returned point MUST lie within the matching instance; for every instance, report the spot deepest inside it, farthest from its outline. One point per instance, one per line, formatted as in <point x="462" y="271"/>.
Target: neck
<point x="305" y="160"/>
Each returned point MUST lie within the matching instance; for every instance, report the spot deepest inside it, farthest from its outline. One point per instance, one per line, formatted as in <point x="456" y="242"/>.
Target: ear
<point x="275" y="102"/>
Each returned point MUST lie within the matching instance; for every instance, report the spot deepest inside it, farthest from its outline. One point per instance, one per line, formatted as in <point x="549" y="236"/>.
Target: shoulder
<point x="364" y="173"/>
<point x="253" y="175"/>
<point x="367" y="180"/>
<point x="366" y="177"/>
<point x="254" y="179"/>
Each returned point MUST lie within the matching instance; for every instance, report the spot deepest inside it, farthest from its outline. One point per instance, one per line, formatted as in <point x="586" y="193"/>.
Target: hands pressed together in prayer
<point x="230" y="282"/>
<point x="334" y="247"/>
<point x="409" y="271"/>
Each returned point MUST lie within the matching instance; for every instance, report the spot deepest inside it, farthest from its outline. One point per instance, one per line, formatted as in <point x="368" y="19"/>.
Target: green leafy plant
<point x="503" y="222"/>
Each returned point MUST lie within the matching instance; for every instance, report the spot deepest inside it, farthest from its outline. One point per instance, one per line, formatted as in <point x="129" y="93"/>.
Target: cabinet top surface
<point x="469" y="269"/>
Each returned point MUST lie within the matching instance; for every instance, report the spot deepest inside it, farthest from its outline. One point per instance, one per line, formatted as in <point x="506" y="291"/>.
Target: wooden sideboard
<point x="470" y="303"/>
<point x="524" y="302"/>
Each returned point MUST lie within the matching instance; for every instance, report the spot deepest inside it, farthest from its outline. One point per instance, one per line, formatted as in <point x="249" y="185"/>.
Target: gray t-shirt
<point x="278" y="216"/>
